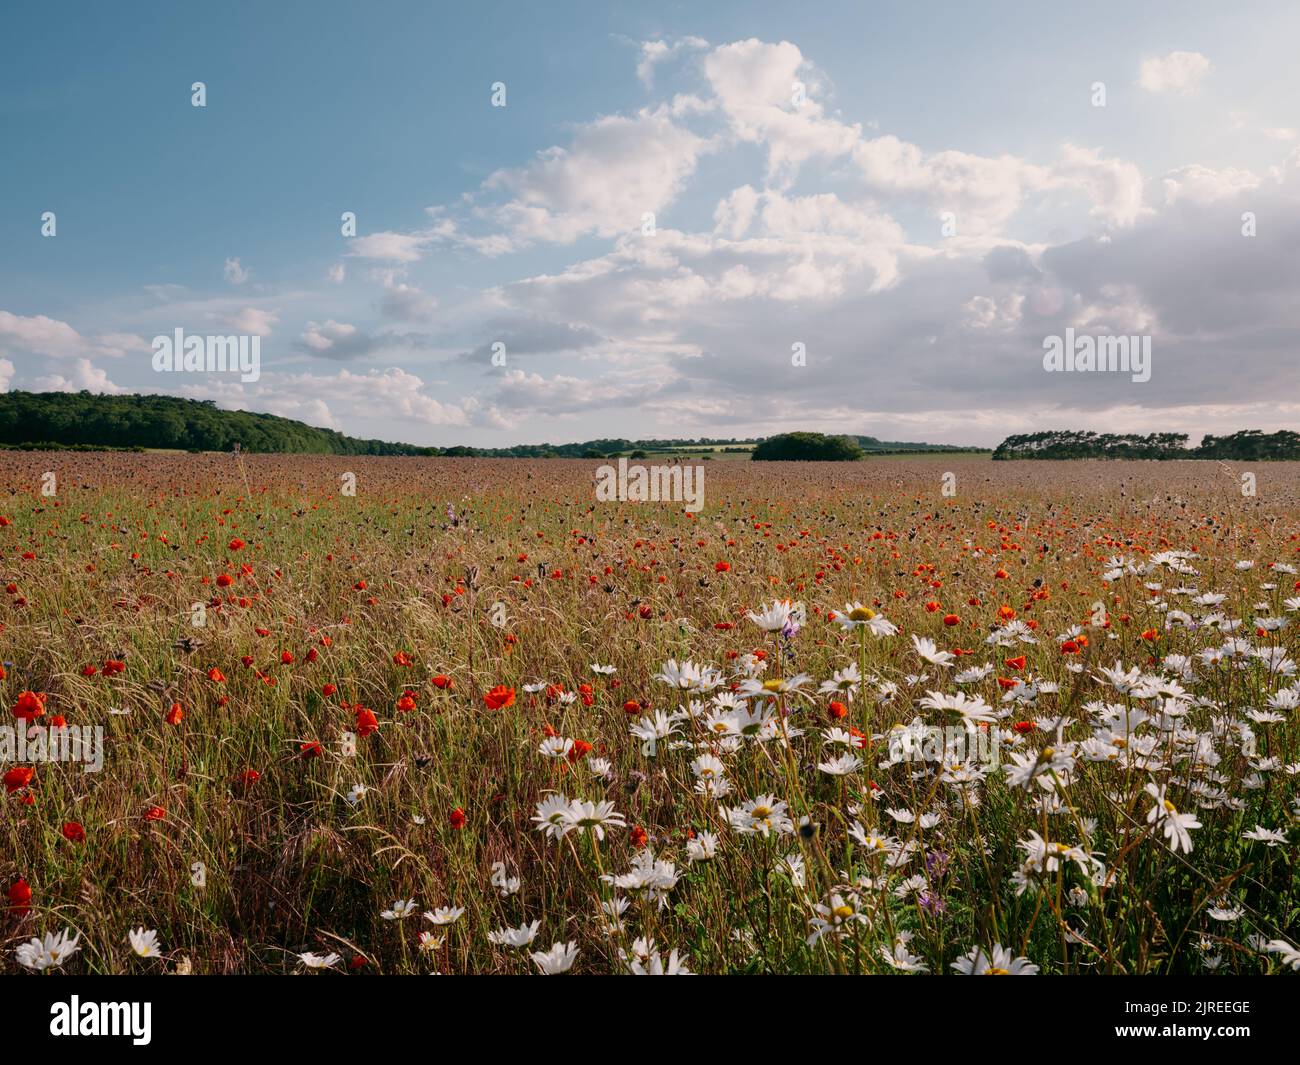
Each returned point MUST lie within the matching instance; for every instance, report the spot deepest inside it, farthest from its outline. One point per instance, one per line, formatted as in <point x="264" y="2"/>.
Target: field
<point x="1031" y="717"/>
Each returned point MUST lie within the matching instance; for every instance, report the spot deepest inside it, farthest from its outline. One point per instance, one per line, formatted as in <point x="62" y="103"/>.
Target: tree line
<point x="1246" y="445"/>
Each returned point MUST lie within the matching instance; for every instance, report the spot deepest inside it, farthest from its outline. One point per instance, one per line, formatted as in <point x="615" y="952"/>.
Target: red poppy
<point x="309" y="749"/>
<point x="442" y="681"/>
<point x="175" y="714"/>
<point x="216" y="676"/>
<point x="155" y="813"/>
<point x="19" y="777"/>
<point x="457" y="819"/>
<point x="401" y="658"/>
<point x="366" y="722"/>
<point x="722" y="567"/>
<point x="225" y="580"/>
<point x="951" y="619"/>
<point x="838" y="710"/>
<point x="73" y="832"/>
<point x="31" y="705"/>
<point x="499" y="697"/>
<point x="1014" y="663"/>
<point x="639" y="837"/>
<point x="20" y="897"/>
<point x="236" y="544"/>
<point x="406" y="704"/>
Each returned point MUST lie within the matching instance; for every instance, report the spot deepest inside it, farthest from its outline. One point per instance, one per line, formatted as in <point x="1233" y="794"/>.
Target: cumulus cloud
<point x="655" y="52"/>
<point x="84" y="375"/>
<point x="1177" y="72"/>
<point x="235" y="272"/>
<point x="39" y="335"/>
<point x="254" y="321"/>
<point x="389" y="394"/>
<point x="617" y="169"/>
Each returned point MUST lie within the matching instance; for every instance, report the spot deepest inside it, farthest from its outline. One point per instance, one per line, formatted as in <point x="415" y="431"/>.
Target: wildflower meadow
<point x="923" y="715"/>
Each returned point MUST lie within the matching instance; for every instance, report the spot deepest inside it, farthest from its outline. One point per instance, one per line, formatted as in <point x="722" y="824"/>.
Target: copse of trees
<point x="1250" y="445"/>
<point x="805" y="447"/>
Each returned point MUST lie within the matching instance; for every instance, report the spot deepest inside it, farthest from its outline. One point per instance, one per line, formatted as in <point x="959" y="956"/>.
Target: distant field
<point x="317" y="705"/>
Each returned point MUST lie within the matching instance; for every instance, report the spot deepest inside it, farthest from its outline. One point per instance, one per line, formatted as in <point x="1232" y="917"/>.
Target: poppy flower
<point x="225" y="580"/>
<point x="73" y="832"/>
<point x="18" y="777"/>
<point x="401" y="658"/>
<point x="366" y="722"/>
<point x="456" y="819"/>
<point x="309" y="749"/>
<point x="951" y="619"/>
<point x="236" y="544"/>
<point x="442" y="681"/>
<point x="1016" y="663"/>
<point x="499" y="697"/>
<point x="175" y="714"/>
<point x="31" y="705"/>
<point x="20" y="897"/>
<point x="328" y="690"/>
<point x="216" y="676"/>
<point x="1069" y="647"/>
<point x="406" y="704"/>
<point x="722" y="567"/>
<point x="155" y="813"/>
<point x="838" y="710"/>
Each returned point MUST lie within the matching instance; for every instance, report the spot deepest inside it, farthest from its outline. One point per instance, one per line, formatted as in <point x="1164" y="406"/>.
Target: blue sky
<point x="776" y="223"/>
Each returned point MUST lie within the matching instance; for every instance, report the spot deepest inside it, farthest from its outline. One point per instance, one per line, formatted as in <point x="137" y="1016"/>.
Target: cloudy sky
<point x="673" y="198"/>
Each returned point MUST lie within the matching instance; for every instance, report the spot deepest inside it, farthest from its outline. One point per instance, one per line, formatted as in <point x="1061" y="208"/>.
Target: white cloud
<point x="83" y="375"/>
<point x="323" y="337"/>
<point x="1177" y="72"/>
<point x="235" y="273"/>
<point x="6" y="374"/>
<point x="1200" y="184"/>
<point x="1114" y="186"/>
<point x="39" y="334"/>
<point x="253" y="321"/>
<point x="616" y="169"/>
<point x="50" y="337"/>
<point x="755" y="83"/>
<point x="393" y="247"/>
<point x="655" y="52"/>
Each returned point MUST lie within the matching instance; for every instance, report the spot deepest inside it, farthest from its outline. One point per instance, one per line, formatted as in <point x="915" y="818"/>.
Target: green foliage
<point x="1249" y="445"/>
<point x="815" y="447"/>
